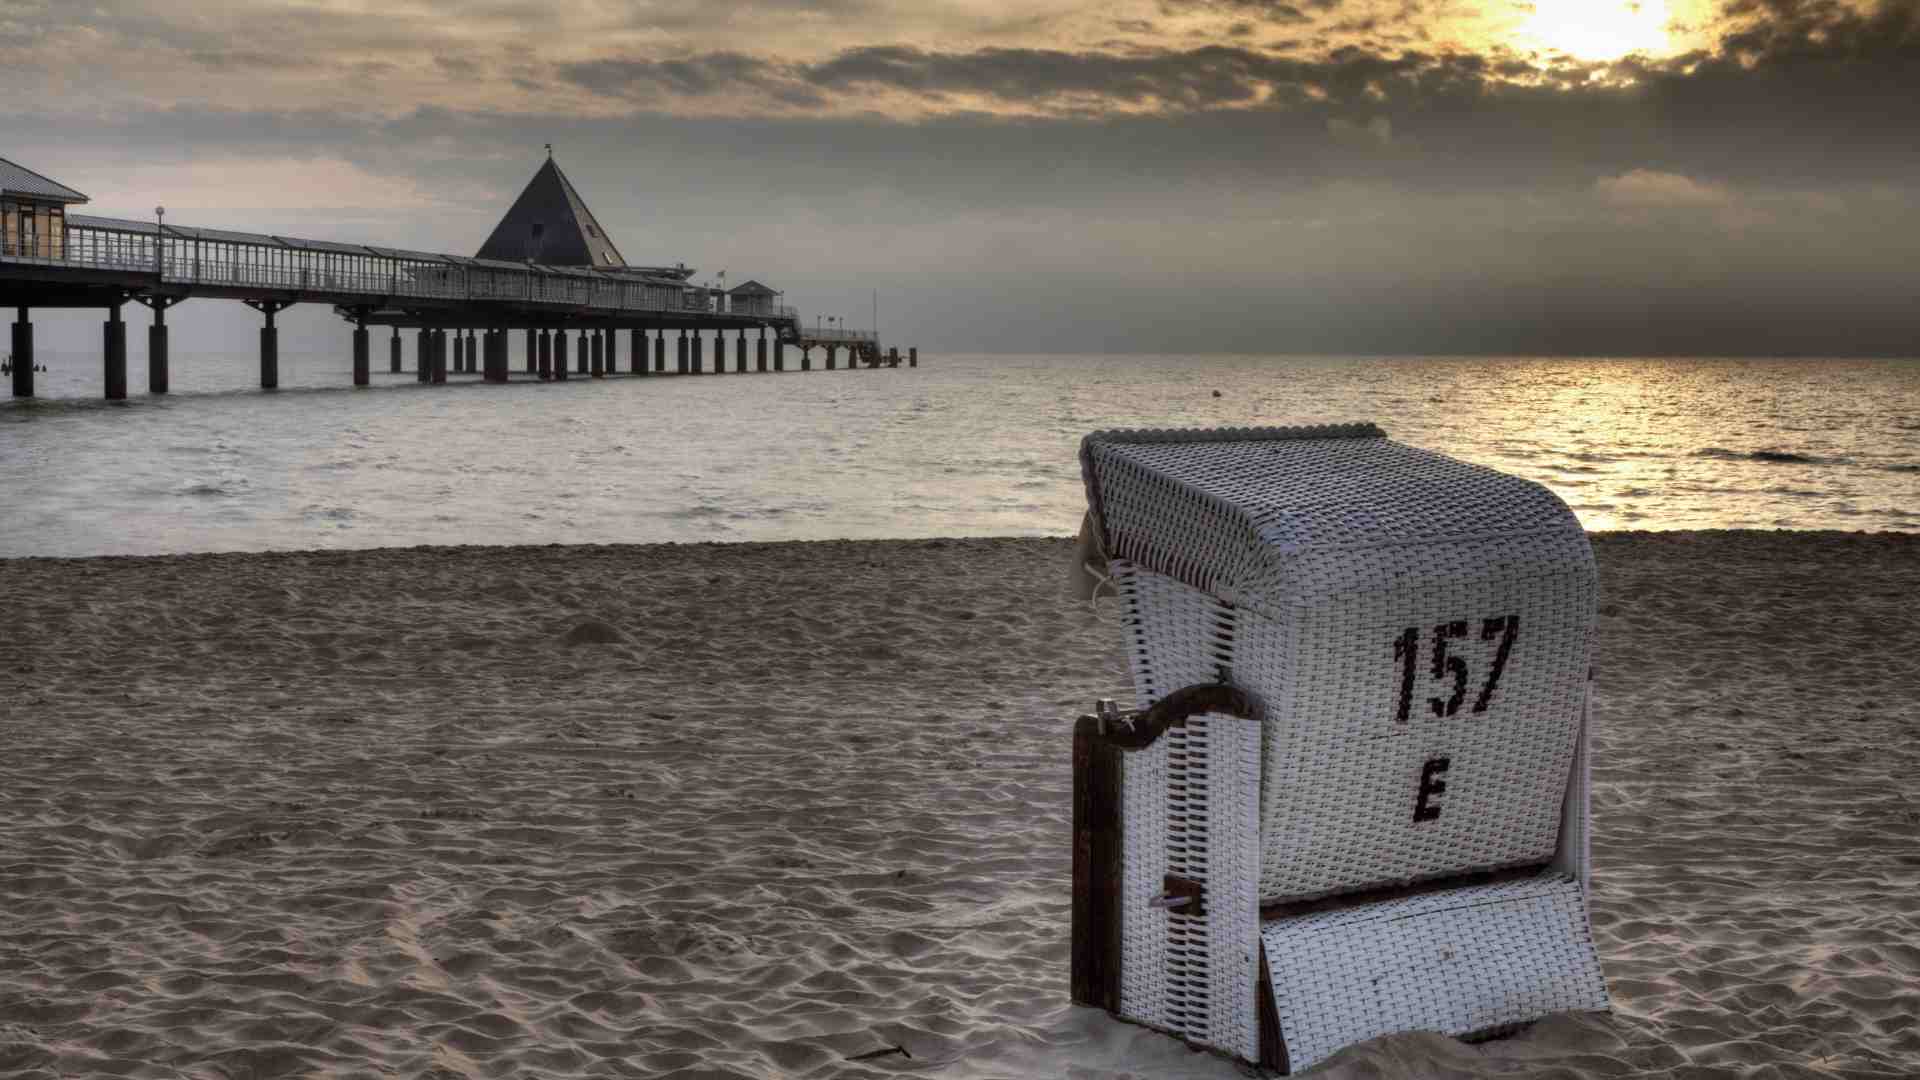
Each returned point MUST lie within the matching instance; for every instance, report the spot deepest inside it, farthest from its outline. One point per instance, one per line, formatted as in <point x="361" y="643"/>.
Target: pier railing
<point x="836" y="336"/>
<point x="346" y="273"/>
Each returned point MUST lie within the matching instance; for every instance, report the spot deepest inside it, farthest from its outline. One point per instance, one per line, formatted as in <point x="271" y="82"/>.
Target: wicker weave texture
<point x="1343" y="777"/>
<point x="1195" y="799"/>
<point x="1232" y="512"/>
<point x="1225" y="801"/>
<point x="1190" y="806"/>
<point x="1457" y="961"/>
<point x="1420" y="629"/>
<point x="1143" y="869"/>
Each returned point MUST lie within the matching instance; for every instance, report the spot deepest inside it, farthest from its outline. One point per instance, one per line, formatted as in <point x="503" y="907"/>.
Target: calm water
<point x="964" y="445"/>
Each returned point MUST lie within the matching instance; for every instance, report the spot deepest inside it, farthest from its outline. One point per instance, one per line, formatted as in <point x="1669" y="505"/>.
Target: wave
<point x="1771" y="456"/>
<point x="216" y="486"/>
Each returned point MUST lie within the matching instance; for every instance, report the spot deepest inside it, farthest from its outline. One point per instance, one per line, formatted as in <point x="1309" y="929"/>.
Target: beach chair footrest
<point x="1466" y="961"/>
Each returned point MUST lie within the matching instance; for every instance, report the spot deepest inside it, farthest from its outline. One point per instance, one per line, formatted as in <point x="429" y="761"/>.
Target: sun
<point x="1597" y="30"/>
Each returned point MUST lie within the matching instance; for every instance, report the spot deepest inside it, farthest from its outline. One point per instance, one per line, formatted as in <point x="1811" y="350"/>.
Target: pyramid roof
<point x="20" y="180"/>
<point x="550" y="224"/>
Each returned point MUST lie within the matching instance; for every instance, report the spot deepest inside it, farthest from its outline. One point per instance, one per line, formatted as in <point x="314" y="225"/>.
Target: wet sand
<point x="802" y="810"/>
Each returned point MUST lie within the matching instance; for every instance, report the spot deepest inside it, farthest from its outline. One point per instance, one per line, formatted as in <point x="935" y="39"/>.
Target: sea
<point x="963" y="445"/>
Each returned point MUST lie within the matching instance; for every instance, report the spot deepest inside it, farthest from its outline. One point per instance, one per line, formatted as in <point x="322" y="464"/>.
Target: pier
<point x="549" y="276"/>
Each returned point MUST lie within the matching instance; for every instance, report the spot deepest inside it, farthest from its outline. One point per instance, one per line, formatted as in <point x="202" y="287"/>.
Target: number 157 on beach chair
<point x="1353" y="797"/>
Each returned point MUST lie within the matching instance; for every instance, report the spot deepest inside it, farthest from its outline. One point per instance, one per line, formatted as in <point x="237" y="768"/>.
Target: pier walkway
<point x="53" y="259"/>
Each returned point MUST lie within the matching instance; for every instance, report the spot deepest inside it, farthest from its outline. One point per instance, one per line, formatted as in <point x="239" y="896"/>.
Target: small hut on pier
<point x="33" y="212"/>
<point x="751" y="298"/>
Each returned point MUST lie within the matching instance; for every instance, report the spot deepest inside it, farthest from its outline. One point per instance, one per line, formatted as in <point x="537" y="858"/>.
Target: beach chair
<point x="1353" y="797"/>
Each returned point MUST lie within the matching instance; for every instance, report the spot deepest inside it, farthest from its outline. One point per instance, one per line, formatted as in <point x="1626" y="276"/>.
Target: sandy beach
<point x="769" y="810"/>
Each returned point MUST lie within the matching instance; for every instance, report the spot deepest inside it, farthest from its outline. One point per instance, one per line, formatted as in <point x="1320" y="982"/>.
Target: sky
<point x="1411" y="176"/>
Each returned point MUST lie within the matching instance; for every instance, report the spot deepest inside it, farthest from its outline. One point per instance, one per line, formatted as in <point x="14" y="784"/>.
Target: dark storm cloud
<point x="1274" y="11"/>
<point x="649" y="80"/>
<point x="1202" y="78"/>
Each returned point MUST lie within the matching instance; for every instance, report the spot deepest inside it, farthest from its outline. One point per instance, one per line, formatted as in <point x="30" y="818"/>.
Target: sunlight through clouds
<point x="1598" y="29"/>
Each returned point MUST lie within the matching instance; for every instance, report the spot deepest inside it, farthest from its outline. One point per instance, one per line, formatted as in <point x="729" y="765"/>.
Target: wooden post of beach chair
<point x="1353" y="800"/>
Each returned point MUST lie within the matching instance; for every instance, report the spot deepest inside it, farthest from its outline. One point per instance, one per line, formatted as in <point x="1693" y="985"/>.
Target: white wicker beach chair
<point x="1354" y="800"/>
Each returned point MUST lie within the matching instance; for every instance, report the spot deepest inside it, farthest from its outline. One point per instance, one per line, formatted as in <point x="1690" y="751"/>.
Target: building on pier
<point x="33" y="213"/>
<point x="550" y="224"/>
<point x="752" y="298"/>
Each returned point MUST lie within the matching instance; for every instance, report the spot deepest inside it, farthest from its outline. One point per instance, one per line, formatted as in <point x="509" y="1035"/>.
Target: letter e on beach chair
<point x="1353" y="799"/>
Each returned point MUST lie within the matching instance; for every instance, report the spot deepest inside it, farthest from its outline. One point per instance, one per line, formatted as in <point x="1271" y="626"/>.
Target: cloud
<point x="1273" y="11"/>
<point x="1206" y="77"/>
<point x="693" y="76"/>
<point x="1754" y="195"/>
<point x="1643" y="188"/>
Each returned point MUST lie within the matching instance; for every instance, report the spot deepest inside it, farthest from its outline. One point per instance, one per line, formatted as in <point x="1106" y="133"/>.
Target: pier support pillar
<point x="546" y="354"/>
<point x="393" y="352"/>
<point x="682" y="367"/>
<point x="362" y="356"/>
<point x="423" y="355"/>
<point x="23" y="356"/>
<point x="699" y="349"/>
<point x="440" y="356"/>
<point x="269" y="341"/>
<point x="637" y="347"/>
<point x="596" y="355"/>
<point x="533" y="351"/>
<point x="116" y="352"/>
<point x="580" y="353"/>
<point x="157" y="373"/>
<point x="760" y="357"/>
<point x="779" y="354"/>
<point x="831" y="350"/>
<point x="660" y="352"/>
<point x="158" y="381"/>
<point x="612" y="348"/>
<point x="269" y="357"/>
<point x="560" y="358"/>
<point x="806" y="358"/>
<point x="740" y="354"/>
<point x="913" y="356"/>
